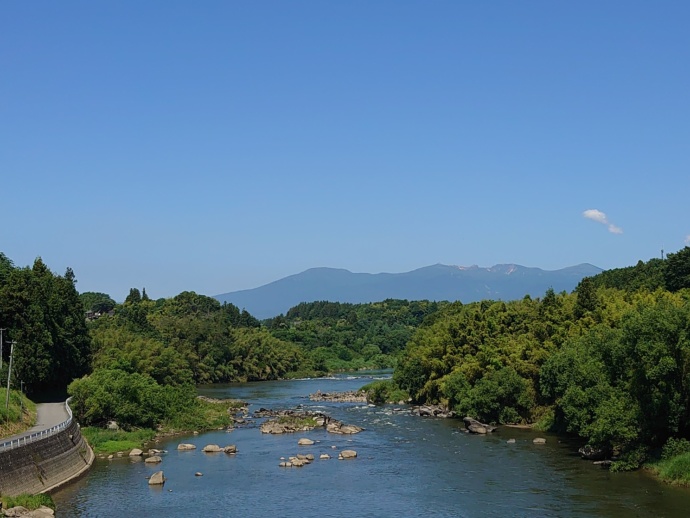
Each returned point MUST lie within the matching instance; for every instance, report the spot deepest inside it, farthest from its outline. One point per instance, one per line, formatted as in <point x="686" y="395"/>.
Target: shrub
<point x="384" y="391"/>
<point x="675" y="447"/>
<point x="631" y="460"/>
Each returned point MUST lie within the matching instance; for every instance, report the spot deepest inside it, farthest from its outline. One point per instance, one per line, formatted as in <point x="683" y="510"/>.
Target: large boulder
<point x="539" y="440"/>
<point x="212" y="448"/>
<point x="475" y="426"/>
<point x="136" y="452"/>
<point x="184" y="447"/>
<point x="153" y="459"/>
<point x="347" y="454"/>
<point x="157" y="479"/>
<point x="337" y="427"/>
<point x="305" y="442"/>
<point x="231" y="449"/>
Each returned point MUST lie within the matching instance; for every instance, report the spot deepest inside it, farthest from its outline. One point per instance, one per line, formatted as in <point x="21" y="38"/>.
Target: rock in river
<point x="347" y="454"/>
<point x="475" y="426"/>
<point x="157" y="479"/>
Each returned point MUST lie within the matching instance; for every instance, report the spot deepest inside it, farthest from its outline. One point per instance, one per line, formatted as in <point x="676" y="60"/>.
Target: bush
<point x="133" y="400"/>
<point x="631" y="460"/>
<point x="384" y="391"/>
<point x="675" y="447"/>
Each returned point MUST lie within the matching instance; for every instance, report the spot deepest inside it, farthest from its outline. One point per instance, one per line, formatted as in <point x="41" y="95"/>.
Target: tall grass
<point x="105" y="442"/>
<point x="674" y="470"/>
<point x="19" y="416"/>
<point x="31" y="502"/>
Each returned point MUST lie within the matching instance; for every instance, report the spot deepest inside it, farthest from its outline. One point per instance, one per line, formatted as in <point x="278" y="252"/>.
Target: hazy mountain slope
<point x="437" y="282"/>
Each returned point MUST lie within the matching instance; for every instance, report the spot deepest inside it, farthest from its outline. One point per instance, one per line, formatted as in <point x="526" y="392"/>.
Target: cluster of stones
<point x="152" y="455"/>
<point x="291" y="421"/>
<point x="40" y="512"/>
<point x="299" y="460"/>
<point x="433" y="411"/>
<point x="158" y="478"/>
<point x="474" y="426"/>
<point x="351" y="396"/>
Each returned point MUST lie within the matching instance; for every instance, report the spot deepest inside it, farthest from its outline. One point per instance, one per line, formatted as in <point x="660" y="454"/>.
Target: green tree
<point x="677" y="275"/>
<point x="97" y="302"/>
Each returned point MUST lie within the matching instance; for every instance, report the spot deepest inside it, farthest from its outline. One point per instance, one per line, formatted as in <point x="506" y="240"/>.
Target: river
<point x="407" y="466"/>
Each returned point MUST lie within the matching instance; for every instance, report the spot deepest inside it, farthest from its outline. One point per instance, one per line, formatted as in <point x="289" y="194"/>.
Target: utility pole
<point x="9" y="375"/>
<point x="1" y="330"/>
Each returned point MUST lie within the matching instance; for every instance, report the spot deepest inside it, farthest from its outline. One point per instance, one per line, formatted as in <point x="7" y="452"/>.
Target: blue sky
<point x="214" y="146"/>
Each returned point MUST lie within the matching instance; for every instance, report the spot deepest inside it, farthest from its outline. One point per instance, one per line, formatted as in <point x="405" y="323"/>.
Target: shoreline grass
<point x="31" y="502"/>
<point x="206" y="414"/>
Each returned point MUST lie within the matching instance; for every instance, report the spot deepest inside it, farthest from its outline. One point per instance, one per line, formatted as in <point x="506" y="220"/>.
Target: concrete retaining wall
<point x="46" y="464"/>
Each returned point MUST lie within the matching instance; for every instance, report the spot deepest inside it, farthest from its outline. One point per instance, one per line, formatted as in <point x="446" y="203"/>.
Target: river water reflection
<point x="407" y="466"/>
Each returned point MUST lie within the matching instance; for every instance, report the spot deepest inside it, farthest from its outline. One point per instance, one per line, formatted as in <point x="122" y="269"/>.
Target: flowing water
<point x="407" y="466"/>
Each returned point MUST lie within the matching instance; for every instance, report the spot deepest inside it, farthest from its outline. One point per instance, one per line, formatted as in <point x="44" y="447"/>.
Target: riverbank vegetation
<point x="609" y="362"/>
<point x="107" y="442"/>
<point x="673" y="465"/>
<point x="30" y="502"/>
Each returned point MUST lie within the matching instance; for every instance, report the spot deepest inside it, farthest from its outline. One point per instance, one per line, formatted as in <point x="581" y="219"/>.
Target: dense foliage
<point x="672" y="274"/>
<point x="340" y="336"/>
<point x="609" y="365"/>
<point x="96" y="302"/>
<point x="43" y="315"/>
<point x="189" y="339"/>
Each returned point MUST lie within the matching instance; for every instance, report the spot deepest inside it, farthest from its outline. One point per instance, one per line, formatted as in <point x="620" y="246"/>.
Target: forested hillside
<point x="189" y="338"/>
<point x="609" y="364"/>
<point x="341" y="336"/>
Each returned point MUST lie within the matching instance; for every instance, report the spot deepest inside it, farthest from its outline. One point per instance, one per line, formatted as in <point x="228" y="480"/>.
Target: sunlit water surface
<point x="406" y="466"/>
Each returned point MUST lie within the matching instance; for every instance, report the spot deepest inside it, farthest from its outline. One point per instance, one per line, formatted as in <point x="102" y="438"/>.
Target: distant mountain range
<point x="437" y="282"/>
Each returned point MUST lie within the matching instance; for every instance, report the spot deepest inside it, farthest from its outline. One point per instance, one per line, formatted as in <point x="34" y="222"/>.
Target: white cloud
<point x="600" y="217"/>
<point x="687" y="240"/>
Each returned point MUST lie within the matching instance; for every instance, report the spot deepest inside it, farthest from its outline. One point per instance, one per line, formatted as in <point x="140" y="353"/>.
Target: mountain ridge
<point x="507" y="281"/>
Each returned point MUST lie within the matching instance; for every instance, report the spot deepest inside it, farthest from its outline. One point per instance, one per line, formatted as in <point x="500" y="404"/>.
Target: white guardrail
<point x="37" y="436"/>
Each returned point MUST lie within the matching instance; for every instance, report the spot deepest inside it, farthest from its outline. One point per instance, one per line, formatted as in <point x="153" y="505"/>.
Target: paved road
<point x="47" y="416"/>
